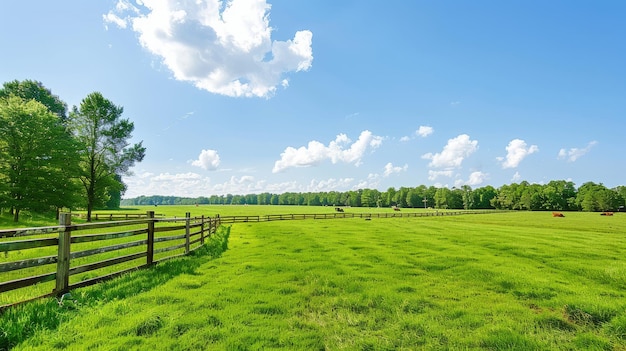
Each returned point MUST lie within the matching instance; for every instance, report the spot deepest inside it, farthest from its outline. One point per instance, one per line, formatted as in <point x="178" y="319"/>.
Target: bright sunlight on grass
<point x="499" y="281"/>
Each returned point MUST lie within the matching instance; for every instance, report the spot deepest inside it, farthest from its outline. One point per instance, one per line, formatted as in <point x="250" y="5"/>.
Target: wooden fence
<point x="281" y="217"/>
<point x="90" y="255"/>
<point x="83" y="254"/>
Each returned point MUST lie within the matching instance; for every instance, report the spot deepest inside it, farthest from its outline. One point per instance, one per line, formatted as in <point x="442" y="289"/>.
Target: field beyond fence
<point x="55" y="259"/>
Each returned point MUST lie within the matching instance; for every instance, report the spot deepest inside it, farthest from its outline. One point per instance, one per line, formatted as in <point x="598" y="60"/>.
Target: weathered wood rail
<point x="86" y="252"/>
<point x="115" y="216"/>
<point x="76" y="251"/>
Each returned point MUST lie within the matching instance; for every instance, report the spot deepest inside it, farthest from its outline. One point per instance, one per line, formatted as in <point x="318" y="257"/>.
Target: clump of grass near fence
<point x="23" y="321"/>
<point x="216" y="244"/>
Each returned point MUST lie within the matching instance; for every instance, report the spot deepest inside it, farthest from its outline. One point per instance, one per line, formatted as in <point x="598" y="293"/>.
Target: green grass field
<point x="502" y="281"/>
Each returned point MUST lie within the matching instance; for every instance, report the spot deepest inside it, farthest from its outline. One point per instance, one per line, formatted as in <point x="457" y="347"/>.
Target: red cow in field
<point x="396" y="208"/>
<point x="606" y="214"/>
<point x="557" y="214"/>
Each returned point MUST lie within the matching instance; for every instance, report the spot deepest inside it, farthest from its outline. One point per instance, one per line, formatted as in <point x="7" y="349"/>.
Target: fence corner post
<point x="150" y="243"/>
<point x="187" y="231"/>
<point x="63" y="258"/>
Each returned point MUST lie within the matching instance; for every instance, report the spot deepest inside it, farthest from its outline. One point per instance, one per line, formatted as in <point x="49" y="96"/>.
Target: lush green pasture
<point x="247" y="210"/>
<point x="499" y="281"/>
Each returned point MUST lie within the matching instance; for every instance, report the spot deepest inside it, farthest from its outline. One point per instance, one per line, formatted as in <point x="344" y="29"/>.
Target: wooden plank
<point x="150" y="240"/>
<point x="27" y="244"/>
<point x="95" y="237"/>
<point x="187" y="230"/>
<point x="106" y="263"/>
<point x="169" y="229"/>
<point x="169" y="248"/>
<point x="63" y="257"/>
<point x="10" y="233"/>
<point x="104" y="249"/>
<point x="34" y="262"/>
<point x="169" y="238"/>
<point x="108" y="224"/>
<point x="24" y="282"/>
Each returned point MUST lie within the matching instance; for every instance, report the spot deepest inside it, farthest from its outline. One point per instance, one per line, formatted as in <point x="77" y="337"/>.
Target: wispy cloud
<point x="224" y="47"/>
<point x="517" y="150"/>
<point x="179" y="119"/>
<point x="516" y="177"/>
<point x="574" y="154"/>
<point x="339" y="150"/>
<point x="391" y="169"/>
<point x="434" y="175"/>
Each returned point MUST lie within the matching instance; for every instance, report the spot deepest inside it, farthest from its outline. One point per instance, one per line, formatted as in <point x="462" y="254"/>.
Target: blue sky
<point x="250" y="96"/>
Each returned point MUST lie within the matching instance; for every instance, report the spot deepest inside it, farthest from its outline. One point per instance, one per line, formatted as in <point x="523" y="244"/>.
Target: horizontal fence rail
<point x="282" y="217"/>
<point x="56" y="259"/>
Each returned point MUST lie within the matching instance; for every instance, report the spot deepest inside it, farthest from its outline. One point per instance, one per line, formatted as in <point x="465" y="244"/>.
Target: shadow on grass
<point x="23" y="321"/>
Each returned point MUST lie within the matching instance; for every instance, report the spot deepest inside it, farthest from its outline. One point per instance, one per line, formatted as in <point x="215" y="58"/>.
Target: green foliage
<point x="103" y="134"/>
<point x="37" y="158"/>
<point x="33" y="90"/>
<point x="557" y="195"/>
<point x="216" y="244"/>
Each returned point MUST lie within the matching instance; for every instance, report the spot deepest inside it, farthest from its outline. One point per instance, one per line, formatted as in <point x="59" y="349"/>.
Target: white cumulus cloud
<point x="391" y="169"/>
<point x="453" y="154"/>
<point x="424" y="131"/>
<point x="224" y="47"/>
<point x="336" y="151"/>
<point x="517" y="150"/>
<point x="574" y="154"/>
<point x="208" y="159"/>
<point x="477" y="178"/>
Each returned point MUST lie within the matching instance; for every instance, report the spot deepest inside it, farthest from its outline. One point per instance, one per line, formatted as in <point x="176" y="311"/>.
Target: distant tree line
<point x="557" y="195"/>
<point x="50" y="159"/>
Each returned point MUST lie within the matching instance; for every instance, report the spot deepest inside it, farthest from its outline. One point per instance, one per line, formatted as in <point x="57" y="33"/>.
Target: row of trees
<point x="558" y="195"/>
<point x="50" y="159"/>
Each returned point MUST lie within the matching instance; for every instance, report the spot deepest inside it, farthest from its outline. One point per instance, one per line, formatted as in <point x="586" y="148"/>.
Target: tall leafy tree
<point x="107" y="153"/>
<point x="34" y="90"/>
<point x="37" y="159"/>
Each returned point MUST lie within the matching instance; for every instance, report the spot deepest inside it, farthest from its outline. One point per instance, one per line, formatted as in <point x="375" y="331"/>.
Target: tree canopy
<point x="34" y="90"/>
<point x="37" y="159"/>
<point x="559" y="195"/>
<point x="45" y="156"/>
<point x="106" y="153"/>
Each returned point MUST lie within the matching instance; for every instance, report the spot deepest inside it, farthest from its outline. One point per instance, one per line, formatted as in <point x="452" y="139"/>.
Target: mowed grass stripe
<point x="495" y="281"/>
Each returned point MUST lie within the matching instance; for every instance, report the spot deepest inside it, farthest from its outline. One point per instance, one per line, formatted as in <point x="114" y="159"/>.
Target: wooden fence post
<point x="187" y="219"/>
<point x="150" y="244"/>
<point x="202" y="230"/>
<point x="63" y="258"/>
